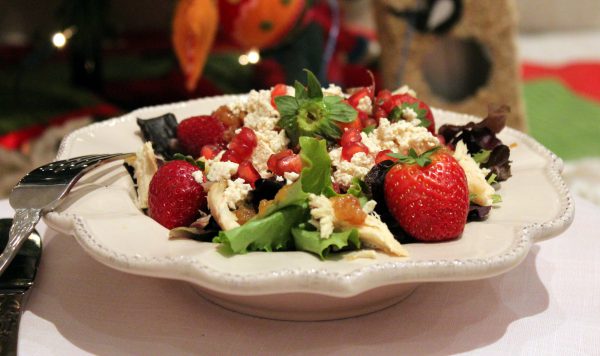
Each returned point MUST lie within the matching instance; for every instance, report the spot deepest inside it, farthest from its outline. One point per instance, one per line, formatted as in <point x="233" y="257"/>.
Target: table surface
<point x="549" y="304"/>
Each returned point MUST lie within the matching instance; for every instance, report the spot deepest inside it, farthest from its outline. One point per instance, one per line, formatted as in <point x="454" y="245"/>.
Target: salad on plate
<point x="319" y="170"/>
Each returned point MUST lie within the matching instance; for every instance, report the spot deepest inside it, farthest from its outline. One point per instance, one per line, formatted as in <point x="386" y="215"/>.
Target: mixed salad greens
<point x="304" y="137"/>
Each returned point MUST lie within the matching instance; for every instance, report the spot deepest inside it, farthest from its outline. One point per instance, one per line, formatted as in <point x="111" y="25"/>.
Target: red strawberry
<point x="174" y="195"/>
<point x="195" y="132"/>
<point x="428" y="195"/>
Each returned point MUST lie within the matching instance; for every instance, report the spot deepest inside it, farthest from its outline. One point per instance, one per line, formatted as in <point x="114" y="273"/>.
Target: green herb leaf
<point x="482" y="156"/>
<point x="397" y="113"/>
<point x="369" y="129"/>
<point x="492" y="178"/>
<point x="496" y="198"/>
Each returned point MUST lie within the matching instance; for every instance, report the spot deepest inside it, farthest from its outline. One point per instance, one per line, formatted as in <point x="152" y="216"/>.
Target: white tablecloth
<point x="550" y="304"/>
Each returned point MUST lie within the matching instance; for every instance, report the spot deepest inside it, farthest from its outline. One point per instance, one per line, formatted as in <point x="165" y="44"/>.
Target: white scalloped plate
<point x="101" y="214"/>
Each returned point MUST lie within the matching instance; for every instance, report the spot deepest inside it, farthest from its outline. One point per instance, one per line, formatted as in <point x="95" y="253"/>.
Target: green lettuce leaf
<point x="271" y="233"/>
<point x="292" y="196"/>
<point x="316" y="171"/>
<point x="306" y="238"/>
<point x="357" y="188"/>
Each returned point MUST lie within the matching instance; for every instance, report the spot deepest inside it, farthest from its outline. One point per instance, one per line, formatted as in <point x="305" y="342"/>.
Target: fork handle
<point x="23" y="224"/>
<point x="11" y="308"/>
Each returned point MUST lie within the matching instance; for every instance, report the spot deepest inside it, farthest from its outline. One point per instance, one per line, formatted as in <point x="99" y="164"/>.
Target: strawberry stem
<point x="413" y="157"/>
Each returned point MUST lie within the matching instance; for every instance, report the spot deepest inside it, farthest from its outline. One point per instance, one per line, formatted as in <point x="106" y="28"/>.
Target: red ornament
<point x="259" y="24"/>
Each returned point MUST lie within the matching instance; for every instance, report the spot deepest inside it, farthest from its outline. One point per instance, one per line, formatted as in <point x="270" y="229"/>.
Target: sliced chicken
<point x="375" y="234"/>
<point x="218" y="206"/>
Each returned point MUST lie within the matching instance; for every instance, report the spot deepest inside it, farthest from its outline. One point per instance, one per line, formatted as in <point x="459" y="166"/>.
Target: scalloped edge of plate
<point x="322" y="281"/>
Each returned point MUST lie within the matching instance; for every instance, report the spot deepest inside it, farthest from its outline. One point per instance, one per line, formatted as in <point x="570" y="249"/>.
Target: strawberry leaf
<point x="300" y="91"/>
<point x="313" y="85"/>
<point x="338" y="110"/>
<point x="309" y="113"/>
<point x="413" y="157"/>
<point x="188" y="159"/>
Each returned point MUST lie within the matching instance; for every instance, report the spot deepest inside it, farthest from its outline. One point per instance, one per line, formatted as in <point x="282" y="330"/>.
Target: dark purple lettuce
<point x="482" y="136"/>
<point x="162" y="132"/>
<point x="478" y="212"/>
<point x="374" y="181"/>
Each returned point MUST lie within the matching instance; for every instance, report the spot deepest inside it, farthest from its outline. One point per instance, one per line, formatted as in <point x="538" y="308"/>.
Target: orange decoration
<point x="259" y="24"/>
<point x="194" y="29"/>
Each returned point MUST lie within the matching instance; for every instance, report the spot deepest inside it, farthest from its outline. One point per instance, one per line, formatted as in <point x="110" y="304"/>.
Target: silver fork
<point x="41" y="190"/>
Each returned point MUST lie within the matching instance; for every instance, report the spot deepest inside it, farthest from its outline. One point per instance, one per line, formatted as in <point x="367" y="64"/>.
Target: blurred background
<point x="67" y="63"/>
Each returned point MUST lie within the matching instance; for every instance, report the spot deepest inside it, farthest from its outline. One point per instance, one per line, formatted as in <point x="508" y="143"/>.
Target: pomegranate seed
<point x="354" y="99"/>
<point x="278" y="90"/>
<point x="231" y="156"/>
<point x="383" y="96"/>
<point x="356" y="124"/>
<point x="291" y="163"/>
<point x="353" y="148"/>
<point x="275" y="158"/>
<point x="336" y="187"/>
<point x="248" y="173"/>
<point x="209" y="151"/>
<point x="243" y="143"/>
<point x="378" y="113"/>
<point x="350" y="136"/>
<point x="382" y="156"/>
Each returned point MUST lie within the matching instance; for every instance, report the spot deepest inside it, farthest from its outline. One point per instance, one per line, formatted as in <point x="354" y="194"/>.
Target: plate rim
<point x="321" y="280"/>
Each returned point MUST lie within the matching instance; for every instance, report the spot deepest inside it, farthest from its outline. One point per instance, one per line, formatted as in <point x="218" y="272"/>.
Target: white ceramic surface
<point x="101" y="214"/>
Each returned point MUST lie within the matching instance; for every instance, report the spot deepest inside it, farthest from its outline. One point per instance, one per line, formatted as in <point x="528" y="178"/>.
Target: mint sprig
<point x="310" y="113"/>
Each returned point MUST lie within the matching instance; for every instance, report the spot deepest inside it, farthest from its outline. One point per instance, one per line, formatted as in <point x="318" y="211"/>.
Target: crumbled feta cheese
<point x="291" y="177"/>
<point x="478" y="185"/>
<point x="279" y="179"/>
<point x="144" y="166"/>
<point x="236" y="191"/>
<point x="358" y="166"/>
<point x="365" y="104"/>
<point x="400" y="136"/>
<point x="372" y="143"/>
<point x="321" y="211"/>
<point x="198" y="177"/>
<point x="219" y="171"/>
<point x="405" y="89"/>
<point x="260" y="114"/>
<point x="333" y="90"/>
<point x="268" y="143"/>
<point x="409" y="114"/>
<point x="369" y="206"/>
